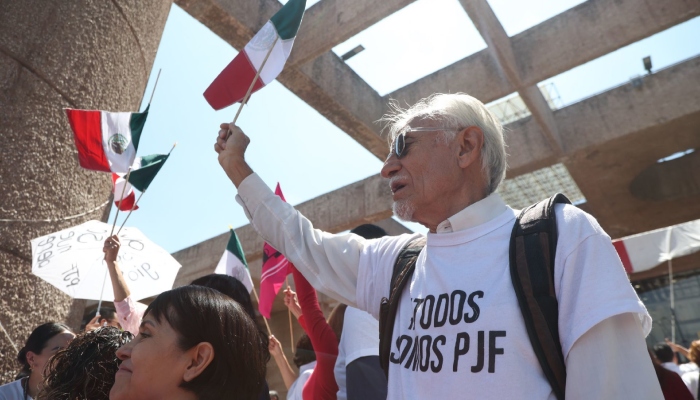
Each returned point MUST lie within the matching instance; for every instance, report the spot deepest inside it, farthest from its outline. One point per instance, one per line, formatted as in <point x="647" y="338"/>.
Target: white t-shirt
<point x="13" y="391"/>
<point x="688" y="367"/>
<point x="459" y="328"/>
<point x="360" y="338"/>
<point x="296" y="391"/>
<point x="691" y="381"/>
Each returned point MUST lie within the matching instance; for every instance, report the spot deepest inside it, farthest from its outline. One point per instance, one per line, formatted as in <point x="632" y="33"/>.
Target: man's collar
<point x="478" y="213"/>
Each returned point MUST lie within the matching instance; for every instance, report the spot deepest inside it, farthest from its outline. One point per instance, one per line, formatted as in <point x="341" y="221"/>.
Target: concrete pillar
<point x="56" y="54"/>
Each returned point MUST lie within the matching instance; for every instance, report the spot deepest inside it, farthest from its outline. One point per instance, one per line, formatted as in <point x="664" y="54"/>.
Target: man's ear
<point x="470" y="141"/>
<point x="201" y="356"/>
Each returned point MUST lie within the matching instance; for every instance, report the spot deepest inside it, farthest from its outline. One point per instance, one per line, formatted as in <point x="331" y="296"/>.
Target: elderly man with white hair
<point x="458" y="328"/>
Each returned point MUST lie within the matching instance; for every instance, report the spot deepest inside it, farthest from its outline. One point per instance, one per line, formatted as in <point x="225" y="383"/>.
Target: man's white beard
<point x="404" y="210"/>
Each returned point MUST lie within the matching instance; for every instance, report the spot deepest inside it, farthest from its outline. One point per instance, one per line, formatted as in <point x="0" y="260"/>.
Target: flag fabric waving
<point x="233" y="262"/>
<point x="646" y="250"/>
<point x="274" y="271"/>
<point x="124" y="197"/>
<point x="277" y="34"/>
<point x="106" y="141"/>
<point x="145" y="170"/>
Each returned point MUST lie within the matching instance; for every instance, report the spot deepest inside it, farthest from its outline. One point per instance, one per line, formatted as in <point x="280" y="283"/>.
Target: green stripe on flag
<point x="142" y="177"/>
<point x="288" y="19"/>
<point x="136" y="123"/>
<point x="234" y="247"/>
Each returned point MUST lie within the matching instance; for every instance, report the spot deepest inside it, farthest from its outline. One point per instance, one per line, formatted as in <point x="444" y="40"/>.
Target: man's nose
<point x="391" y="166"/>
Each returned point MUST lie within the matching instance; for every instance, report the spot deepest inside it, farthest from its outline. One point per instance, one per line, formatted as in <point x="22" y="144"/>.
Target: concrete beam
<point x="331" y="22"/>
<point x="327" y="84"/>
<point x="499" y="44"/>
<point x="572" y="38"/>
<point x="593" y="29"/>
<point x="478" y="75"/>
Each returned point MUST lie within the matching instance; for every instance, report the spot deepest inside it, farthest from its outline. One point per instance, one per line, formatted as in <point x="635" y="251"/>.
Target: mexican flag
<point x="106" y="141"/>
<point x="233" y="262"/>
<point x="145" y="169"/>
<point x="277" y="34"/>
<point x="124" y="197"/>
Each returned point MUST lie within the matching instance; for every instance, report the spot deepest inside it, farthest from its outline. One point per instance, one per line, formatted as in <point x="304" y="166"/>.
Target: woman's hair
<point x="305" y="351"/>
<point x="85" y="369"/>
<point x="694" y="352"/>
<point x="36" y="343"/>
<point x="229" y="286"/>
<point x="200" y="314"/>
<point x="337" y="319"/>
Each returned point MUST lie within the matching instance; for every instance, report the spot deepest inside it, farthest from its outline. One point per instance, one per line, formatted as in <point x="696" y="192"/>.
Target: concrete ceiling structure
<point x="610" y="143"/>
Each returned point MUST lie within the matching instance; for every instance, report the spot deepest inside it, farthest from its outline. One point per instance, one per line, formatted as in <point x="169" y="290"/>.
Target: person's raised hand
<point x="275" y="347"/>
<point x="231" y="150"/>
<point x="111" y="248"/>
<point x="291" y="301"/>
<point x="93" y="324"/>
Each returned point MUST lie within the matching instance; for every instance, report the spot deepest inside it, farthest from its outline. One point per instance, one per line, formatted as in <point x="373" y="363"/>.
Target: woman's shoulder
<point x="11" y="391"/>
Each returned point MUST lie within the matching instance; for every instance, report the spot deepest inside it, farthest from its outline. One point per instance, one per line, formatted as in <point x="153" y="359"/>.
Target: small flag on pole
<point x="124" y="197"/>
<point x="145" y="170"/>
<point x="277" y="38"/>
<point x="274" y="271"/>
<point x="233" y="262"/>
<point x="106" y="141"/>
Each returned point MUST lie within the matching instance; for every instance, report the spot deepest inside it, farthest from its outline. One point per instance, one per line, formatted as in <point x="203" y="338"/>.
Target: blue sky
<point x="192" y="200"/>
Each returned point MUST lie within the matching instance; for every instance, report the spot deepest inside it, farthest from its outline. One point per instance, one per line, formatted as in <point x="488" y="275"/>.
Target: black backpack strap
<point x="533" y="246"/>
<point x="403" y="270"/>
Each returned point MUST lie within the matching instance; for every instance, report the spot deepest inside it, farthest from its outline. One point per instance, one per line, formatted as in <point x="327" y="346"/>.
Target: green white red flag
<point x="233" y="262"/>
<point x="145" y="169"/>
<point x="124" y="197"/>
<point x="277" y="34"/>
<point x="106" y="141"/>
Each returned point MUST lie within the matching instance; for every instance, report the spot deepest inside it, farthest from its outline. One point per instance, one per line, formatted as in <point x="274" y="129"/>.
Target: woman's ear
<point x="470" y="141"/>
<point x="31" y="359"/>
<point x="201" y="356"/>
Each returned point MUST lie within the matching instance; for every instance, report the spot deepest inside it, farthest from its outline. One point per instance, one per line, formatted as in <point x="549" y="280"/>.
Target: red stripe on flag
<point x="87" y="132"/>
<point x="624" y="257"/>
<point x="232" y="83"/>
<point x="128" y="203"/>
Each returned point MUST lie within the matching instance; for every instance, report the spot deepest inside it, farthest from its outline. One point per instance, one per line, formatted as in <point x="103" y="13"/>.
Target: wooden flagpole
<point x="257" y="299"/>
<point x="252" y="84"/>
<point x="291" y="327"/>
<point x="137" y="200"/>
<point x="155" y="85"/>
<point x="122" y="198"/>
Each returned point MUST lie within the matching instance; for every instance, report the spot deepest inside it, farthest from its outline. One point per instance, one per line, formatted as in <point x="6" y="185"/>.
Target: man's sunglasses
<point x="400" y="139"/>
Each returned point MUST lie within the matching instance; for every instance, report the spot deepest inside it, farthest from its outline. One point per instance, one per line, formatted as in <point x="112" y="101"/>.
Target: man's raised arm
<point x="329" y="262"/>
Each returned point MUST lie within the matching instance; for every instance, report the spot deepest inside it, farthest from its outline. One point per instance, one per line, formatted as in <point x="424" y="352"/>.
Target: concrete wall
<point x="56" y="54"/>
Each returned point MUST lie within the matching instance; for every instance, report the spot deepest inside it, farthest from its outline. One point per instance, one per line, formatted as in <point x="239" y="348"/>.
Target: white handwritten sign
<point x="72" y="261"/>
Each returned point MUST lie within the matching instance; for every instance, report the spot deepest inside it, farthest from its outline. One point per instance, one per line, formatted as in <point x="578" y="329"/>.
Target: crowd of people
<point x="492" y="303"/>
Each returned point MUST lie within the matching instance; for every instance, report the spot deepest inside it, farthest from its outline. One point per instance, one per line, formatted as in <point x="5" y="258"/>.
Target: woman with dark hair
<point x="236" y="290"/>
<point x="44" y="341"/>
<point x="193" y="343"/>
<point x="93" y="354"/>
<point x="229" y="286"/>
